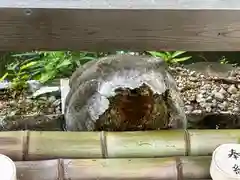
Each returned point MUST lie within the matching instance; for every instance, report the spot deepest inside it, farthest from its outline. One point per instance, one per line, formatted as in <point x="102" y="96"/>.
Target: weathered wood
<point x="42" y="145"/>
<point x="140" y="168"/>
<point x="110" y="25"/>
<point x="125" y="4"/>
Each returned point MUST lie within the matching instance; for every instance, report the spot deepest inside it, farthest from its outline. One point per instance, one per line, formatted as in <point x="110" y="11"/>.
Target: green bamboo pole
<point x="203" y="142"/>
<point x="42" y="145"/>
<point x="195" y="166"/>
<point x="137" y="168"/>
<point x="145" y="144"/>
<point x="12" y="144"/>
<point x="38" y="170"/>
<point x="48" y="145"/>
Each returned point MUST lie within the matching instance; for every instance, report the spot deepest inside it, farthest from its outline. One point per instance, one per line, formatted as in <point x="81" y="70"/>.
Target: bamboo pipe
<point x="137" y="168"/>
<point x="42" y="145"/>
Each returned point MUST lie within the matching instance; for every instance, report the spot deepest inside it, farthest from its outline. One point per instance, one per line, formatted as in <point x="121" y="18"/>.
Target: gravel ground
<point x="24" y="105"/>
<point x="206" y="94"/>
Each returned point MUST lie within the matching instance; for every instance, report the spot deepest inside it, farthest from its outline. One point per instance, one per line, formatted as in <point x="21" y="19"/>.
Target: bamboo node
<point x="25" y="145"/>
<point x="187" y="143"/>
<point x="103" y="144"/>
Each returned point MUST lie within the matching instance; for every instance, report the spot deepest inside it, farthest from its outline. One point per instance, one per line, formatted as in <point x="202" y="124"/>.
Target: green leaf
<point x="158" y="54"/>
<point x="21" y="73"/>
<point x="177" y="53"/>
<point x="25" y="77"/>
<point x="47" y="76"/>
<point x="64" y="63"/>
<point x="182" y="59"/>
<point x="57" y="54"/>
<point x="12" y="66"/>
<point x="36" y="76"/>
<point x="26" y="66"/>
<point x="4" y="77"/>
<point x="25" y="54"/>
<point x="50" y="66"/>
<point x="168" y="54"/>
<point x="88" y="58"/>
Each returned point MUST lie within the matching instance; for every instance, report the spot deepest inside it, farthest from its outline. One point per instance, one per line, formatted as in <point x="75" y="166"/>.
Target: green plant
<point x="170" y="57"/>
<point x="48" y="65"/>
<point x="61" y="63"/>
<point x="45" y="66"/>
<point x="19" y="72"/>
<point x="54" y="63"/>
<point x="223" y="60"/>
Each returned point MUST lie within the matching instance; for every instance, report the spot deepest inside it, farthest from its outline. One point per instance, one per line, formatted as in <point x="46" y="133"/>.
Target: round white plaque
<point x="7" y="168"/>
<point x="225" y="163"/>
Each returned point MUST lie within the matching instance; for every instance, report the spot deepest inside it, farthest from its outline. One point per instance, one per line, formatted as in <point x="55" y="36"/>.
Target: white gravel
<point x="208" y="94"/>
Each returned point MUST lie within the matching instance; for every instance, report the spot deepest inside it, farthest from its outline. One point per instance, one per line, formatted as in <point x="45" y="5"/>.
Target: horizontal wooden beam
<point x="123" y="4"/>
<point x="210" y="25"/>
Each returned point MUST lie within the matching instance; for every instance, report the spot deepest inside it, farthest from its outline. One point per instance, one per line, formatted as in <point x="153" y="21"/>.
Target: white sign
<point x="225" y="163"/>
<point x="7" y="168"/>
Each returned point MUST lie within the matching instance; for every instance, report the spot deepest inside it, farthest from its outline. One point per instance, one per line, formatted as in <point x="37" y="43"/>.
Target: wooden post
<point x="64" y="84"/>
